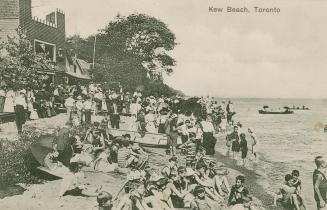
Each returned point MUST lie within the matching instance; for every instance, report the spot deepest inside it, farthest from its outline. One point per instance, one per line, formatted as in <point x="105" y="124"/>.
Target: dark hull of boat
<point x="154" y="140"/>
<point x="159" y="146"/>
<point x="267" y="112"/>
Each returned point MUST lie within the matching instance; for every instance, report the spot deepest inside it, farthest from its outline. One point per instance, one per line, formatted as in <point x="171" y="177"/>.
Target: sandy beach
<point x="45" y="195"/>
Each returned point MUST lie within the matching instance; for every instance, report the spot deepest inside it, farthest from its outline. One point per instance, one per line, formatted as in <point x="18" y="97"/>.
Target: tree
<point x="145" y="37"/>
<point x="18" y="63"/>
<point x="131" y="50"/>
<point x="82" y="48"/>
<point x="126" y="70"/>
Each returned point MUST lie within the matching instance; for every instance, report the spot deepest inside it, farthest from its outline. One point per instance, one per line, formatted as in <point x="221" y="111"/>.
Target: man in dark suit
<point x="114" y="115"/>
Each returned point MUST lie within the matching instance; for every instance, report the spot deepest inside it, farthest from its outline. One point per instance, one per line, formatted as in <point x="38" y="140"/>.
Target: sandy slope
<point x="45" y="196"/>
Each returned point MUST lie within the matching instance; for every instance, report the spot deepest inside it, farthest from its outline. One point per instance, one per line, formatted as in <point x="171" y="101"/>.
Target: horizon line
<point x="256" y="97"/>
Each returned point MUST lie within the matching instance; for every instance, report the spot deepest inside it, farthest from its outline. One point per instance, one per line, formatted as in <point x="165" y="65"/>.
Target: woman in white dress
<point x="30" y="99"/>
<point x="223" y="124"/>
<point x="9" y="102"/>
<point x="254" y="143"/>
<point x="150" y="121"/>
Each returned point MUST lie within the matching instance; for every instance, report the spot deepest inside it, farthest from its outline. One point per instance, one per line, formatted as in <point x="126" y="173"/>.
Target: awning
<point x="49" y="69"/>
<point x="78" y="76"/>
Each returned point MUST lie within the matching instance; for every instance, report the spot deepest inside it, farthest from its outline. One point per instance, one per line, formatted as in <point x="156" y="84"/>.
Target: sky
<point x="270" y="55"/>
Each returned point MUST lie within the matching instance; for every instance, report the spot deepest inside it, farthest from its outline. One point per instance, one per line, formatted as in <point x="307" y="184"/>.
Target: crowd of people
<point x="197" y="184"/>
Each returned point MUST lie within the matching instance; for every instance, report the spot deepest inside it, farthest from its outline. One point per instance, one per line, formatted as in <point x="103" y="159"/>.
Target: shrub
<point x="16" y="160"/>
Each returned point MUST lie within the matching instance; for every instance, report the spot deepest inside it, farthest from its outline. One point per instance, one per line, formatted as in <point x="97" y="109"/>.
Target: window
<point x="47" y="48"/>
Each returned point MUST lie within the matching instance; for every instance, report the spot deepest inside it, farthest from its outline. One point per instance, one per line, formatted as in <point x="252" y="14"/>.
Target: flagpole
<point x="95" y="40"/>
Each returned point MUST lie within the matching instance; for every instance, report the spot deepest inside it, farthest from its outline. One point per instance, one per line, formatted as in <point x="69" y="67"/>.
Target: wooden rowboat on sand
<point x="154" y="140"/>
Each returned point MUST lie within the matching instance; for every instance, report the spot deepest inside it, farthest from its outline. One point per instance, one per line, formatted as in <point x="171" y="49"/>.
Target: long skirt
<point x="20" y="117"/>
<point x="209" y="143"/>
<point x="34" y="115"/>
<point x="173" y="136"/>
<point x="162" y="128"/>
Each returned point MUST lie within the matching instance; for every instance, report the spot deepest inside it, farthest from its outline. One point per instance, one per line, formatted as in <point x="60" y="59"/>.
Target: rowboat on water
<point x="285" y="111"/>
<point x="300" y="108"/>
<point x="276" y="112"/>
<point x="154" y="140"/>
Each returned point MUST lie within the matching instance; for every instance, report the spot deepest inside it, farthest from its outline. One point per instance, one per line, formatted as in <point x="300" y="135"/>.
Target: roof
<point x="46" y="68"/>
<point x="85" y="66"/>
<point x="79" y="76"/>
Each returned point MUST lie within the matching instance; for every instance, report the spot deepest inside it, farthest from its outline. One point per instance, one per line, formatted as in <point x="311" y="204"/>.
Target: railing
<point x="48" y="23"/>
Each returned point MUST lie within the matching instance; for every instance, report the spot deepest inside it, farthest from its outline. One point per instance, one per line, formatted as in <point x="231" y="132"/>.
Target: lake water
<point x="287" y="142"/>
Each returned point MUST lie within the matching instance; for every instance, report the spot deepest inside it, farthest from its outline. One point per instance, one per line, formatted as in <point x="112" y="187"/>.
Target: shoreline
<point x="251" y="180"/>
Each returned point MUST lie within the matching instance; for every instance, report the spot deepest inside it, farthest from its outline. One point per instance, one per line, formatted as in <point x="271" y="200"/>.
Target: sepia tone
<point x="165" y="104"/>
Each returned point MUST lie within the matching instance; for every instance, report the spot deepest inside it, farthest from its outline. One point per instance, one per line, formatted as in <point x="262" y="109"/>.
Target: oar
<point x="120" y="190"/>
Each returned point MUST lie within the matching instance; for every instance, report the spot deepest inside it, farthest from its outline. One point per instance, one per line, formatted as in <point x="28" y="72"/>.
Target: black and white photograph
<point x="163" y="105"/>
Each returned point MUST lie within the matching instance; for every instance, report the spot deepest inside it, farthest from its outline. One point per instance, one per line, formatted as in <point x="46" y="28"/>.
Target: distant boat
<point x="265" y="111"/>
<point x="299" y="108"/>
<point x="276" y="112"/>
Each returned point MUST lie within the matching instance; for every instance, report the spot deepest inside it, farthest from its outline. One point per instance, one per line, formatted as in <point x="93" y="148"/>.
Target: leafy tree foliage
<point x="145" y="37"/>
<point x="131" y="50"/>
<point x="19" y="63"/>
<point x="82" y="48"/>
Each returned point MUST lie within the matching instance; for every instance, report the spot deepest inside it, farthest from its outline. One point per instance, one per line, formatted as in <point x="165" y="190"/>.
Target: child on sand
<point x="71" y="183"/>
<point x="104" y="200"/>
<point x="298" y="185"/>
<point x="102" y="163"/>
<point x="172" y="166"/>
<point x="287" y="193"/>
<point x="202" y="202"/>
<point x="52" y="163"/>
<point x="243" y="148"/>
<point x="238" y="192"/>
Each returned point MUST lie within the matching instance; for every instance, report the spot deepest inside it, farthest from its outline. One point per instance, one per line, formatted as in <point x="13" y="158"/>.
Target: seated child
<point x="201" y="201"/>
<point x="51" y="162"/>
<point x="139" y="156"/>
<point x="102" y="163"/>
<point x="220" y="181"/>
<point x="104" y="200"/>
<point x="287" y="194"/>
<point x="190" y="149"/>
<point x="72" y="183"/>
